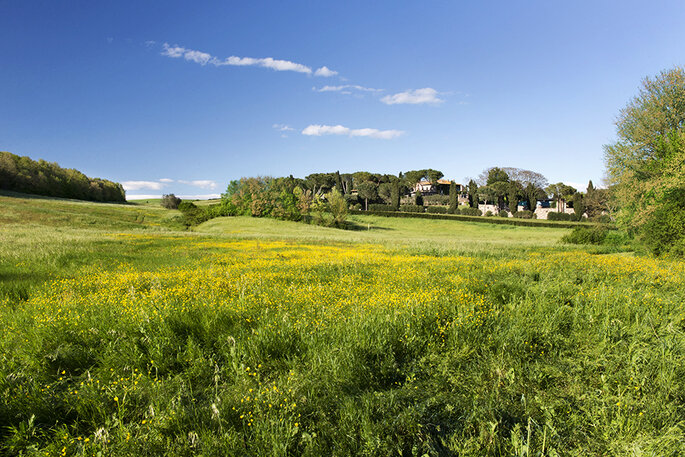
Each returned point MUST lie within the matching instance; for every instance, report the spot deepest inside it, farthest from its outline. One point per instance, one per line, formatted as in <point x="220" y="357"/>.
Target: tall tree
<point x="395" y="195"/>
<point x="453" y="198"/>
<point x="367" y="190"/>
<point x="473" y="194"/>
<point x="645" y="165"/>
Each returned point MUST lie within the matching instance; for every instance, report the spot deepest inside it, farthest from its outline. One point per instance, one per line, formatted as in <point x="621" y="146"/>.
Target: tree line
<point x="22" y="174"/>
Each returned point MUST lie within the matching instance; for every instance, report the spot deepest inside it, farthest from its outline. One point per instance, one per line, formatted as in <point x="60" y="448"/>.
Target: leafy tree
<point x="385" y="192"/>
<point x="338" y="207"/>
<point x="646" y="165"/>
<point x="561" y="193"/>
<point x="453" y="198"/>
<point x="170" y="201"/>
<point x="368" y="191"/>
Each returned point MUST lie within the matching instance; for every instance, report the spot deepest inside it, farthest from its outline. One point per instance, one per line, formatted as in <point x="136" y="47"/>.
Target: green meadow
<point x="124" y="335"/>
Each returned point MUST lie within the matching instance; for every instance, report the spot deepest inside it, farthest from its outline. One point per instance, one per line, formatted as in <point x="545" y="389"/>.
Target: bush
<point x="585" y="235"/>
<point x="380" y="207"/>
<point x="357" y="206"/>
<point x="503" y="213"/>
<point x="664" y="231"/>
<point x="488" y="213"/>
<point x="442" y="200"/>
<point x="561" y="217"/>
<point x="525" y="214"/>
<point x="437" y="209"/>
<point x="192" y="215"/>
<point x="411" y="208"/>
<point x="170" y="201"/>
<point x="470" y="212"/>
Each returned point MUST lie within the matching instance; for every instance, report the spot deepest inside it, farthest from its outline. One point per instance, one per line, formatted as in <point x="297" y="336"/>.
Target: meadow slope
<point x="261" y="337"/>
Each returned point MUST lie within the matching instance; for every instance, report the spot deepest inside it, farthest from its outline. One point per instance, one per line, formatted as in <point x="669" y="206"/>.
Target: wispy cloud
<point x="137" y="185"/>
<point x="325" y="72"/>
<point x="346" y="87"/>
<point x="202" y="183"/>
<point x="426" y="95"/>
<point x="183" y="197"/>
<point x="164" y="182"/>
<point x="283" y="128"/>
<point x="319" y="130"/>
<point x="204" y="58"/>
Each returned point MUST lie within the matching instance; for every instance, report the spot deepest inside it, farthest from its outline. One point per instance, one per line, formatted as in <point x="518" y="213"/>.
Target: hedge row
<point x="489" y="220"/>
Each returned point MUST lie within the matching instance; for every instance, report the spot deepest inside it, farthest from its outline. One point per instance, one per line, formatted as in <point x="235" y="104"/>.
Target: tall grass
<point x="140" y="343"/>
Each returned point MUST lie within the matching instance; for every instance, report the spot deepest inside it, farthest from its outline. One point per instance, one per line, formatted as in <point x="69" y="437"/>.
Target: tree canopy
<point x="646" y="164"/>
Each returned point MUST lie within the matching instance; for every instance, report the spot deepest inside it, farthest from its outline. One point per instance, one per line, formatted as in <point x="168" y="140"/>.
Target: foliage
<point x="21" y="174"/>
<point x="381" y="207"/>
<point x="418" y="199"/>
<point x="503" y="213"/>
<point x="367" y="190"/>
<point x="412" y="208"/>
<point x="197" y="344"/>
<point x="395" y="196"/>
<point x="337" y="207"/>
<point x="585" y="235"/>
<point x="525" y="214"/>
<point x="471" y="212"/>
<point x="170" y="201"/>
<point x="646" y="165"/>
<point x="578" y="205"/>
<point x="453" y="198"/>
<point x="473" y="194"/>
<point x="192" y="214"/>
<point x="436" y="199"/>
<point x="554" y="216"/>
<point x="436" y="209"/>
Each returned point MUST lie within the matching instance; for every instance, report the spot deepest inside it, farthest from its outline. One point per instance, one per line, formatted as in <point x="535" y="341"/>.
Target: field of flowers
<point x="272" y="347"/>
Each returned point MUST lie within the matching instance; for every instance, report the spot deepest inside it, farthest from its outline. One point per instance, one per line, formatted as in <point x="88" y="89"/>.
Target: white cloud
<point x="202" y="183"/>
<point x="283" y="128"/>
<point x="344" y="88"/>
<point x="413" y="97"/>
<point x="183" y="197"/>
<point x="137" y="185"/>
<point x="203" y="58"/>
<point x="325" y="72"/>
<point x="162" y="183"/>
<point x="319" y="130"/>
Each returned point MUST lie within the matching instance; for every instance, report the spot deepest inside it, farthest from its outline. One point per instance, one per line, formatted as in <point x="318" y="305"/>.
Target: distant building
<point x="442" y="187"/>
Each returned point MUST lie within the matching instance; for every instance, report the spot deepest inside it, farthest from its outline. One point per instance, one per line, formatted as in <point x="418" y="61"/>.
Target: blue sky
<point x="184" y="96"/>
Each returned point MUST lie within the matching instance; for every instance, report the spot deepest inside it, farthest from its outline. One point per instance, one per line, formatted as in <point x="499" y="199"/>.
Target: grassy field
<point x="262" y="337"/>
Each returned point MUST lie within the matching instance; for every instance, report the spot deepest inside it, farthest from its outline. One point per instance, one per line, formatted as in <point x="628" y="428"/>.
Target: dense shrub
<point x="470" y="212"/>
<point x="664" y="232"/>
<point x="554" y="216"/>
<point x="381" y="207"/>
<point x="411" y="208"/>
<point x="525" y="214"/>
<point x="21" y="174"/>
<point x="192" y="214"/>
<point x="442" y="200"/>
<point x="491" y="220"/>
<point x="437" y="209"/>
<point x="585" y="235"/>
<point x="488" y="213"/>
<point x="170" y="201"/>
<point x="503" y="213"/>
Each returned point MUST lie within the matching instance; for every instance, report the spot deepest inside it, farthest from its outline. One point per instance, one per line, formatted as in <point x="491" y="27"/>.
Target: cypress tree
<point x="453" y="198"/>
<point x="395" y="195"/>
